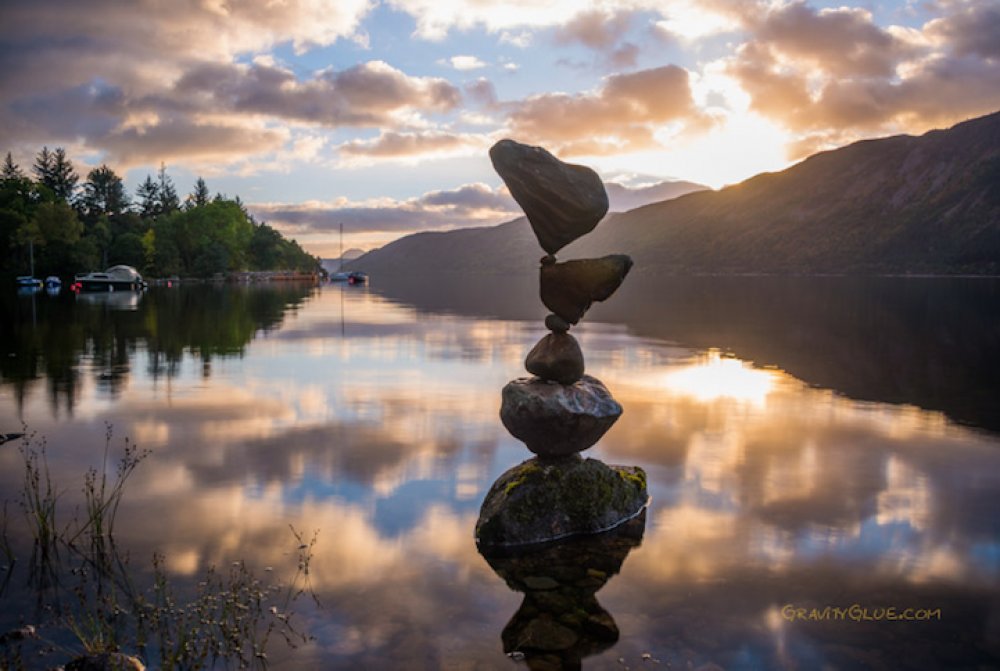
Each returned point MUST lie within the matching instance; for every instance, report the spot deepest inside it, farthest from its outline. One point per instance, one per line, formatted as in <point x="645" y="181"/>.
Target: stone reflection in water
<point x="560" y="620"/>
<point x="558" y="413"/>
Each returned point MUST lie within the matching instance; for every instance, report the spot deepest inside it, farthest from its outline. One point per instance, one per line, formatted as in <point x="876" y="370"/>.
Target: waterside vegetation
<point x="66" y="228"/>
<point x="83" y="599"/>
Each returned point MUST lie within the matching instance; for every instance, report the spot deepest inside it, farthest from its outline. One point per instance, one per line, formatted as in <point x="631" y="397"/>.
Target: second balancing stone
<point x="558" y="420"/>
<point x="556" y="357"/>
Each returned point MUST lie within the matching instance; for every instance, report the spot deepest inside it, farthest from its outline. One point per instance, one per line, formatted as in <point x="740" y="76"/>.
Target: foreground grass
<point x="85" y="590"/>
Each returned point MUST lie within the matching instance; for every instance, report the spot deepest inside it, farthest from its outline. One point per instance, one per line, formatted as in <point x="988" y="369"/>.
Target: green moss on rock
<point x="538" y="501"/>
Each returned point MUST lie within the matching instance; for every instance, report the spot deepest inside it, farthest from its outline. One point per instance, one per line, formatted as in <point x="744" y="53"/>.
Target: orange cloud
<point x="832" y="76"/>
<point x="394" y="145"/>
<point x="622" y="115"/>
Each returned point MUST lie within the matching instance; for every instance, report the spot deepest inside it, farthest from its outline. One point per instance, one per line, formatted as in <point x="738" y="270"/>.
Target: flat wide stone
<point x="569" y="288"/>
<point x="563" y="201"/>
<point x="557" y="420"/>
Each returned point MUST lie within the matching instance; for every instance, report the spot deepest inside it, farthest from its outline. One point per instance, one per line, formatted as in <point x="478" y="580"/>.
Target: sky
<point x="378" y="114"/>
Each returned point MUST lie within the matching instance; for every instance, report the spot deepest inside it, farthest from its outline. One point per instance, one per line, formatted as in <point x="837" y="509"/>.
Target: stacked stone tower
<point x="559" y="411"/>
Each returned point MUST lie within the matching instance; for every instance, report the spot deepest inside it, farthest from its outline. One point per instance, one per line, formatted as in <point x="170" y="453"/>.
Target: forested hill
<point x="73" y="227"/>
<point x="928" y="204"/>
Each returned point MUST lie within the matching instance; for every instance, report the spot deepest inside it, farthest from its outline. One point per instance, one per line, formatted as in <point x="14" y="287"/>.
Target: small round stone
<point x="556" y="357"/>
<point x="556" y="324"/>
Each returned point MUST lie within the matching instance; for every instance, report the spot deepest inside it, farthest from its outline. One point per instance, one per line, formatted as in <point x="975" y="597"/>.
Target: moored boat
<point x="115" y="278"/>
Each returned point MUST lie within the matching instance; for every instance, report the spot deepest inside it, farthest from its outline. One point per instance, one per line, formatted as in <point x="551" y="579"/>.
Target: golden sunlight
<point x="713" y="376"/>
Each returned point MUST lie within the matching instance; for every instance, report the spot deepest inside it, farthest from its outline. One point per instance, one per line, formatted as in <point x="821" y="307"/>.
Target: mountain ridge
<point x="927" y="204"/>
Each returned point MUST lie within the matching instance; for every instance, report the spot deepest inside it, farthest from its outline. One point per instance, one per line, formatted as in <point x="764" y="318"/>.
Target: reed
<point x="85" y="585"/>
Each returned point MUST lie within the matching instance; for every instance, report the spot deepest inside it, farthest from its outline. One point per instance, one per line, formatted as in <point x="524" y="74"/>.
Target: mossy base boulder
<point x="540" y="500"/>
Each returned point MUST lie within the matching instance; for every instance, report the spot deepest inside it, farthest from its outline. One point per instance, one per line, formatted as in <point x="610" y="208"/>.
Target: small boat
<point x="353" y="277"/>
<point x="28" y="282"/>
<point x="53" y="284"/>
<point x="115" y="278"/>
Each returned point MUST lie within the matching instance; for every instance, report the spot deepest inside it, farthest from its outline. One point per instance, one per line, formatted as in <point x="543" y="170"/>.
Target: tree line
<point x="71" y="228"/>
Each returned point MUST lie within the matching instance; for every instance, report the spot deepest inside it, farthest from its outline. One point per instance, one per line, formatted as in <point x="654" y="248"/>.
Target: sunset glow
<point x="716" y="377"/>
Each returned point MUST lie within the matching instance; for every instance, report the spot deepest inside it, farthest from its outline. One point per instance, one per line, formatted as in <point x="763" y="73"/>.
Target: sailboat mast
<point x="341" y="268"/>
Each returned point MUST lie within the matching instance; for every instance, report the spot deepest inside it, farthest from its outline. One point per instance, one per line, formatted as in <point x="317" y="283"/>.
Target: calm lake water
<point x="812" y="445"/>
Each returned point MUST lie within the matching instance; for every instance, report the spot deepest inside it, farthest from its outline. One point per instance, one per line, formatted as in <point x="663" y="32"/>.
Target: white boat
<point x="28" y="282"/>
<point x="115" y="278"/>
<point x="53" y="283"/>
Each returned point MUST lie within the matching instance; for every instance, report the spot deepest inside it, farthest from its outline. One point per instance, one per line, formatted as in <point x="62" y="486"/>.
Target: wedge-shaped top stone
<point x="562" y="201"/>
<point x="569" y="288"/>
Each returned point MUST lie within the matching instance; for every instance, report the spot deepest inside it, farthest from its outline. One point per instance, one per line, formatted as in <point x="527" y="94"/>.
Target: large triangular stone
<point x="562" y="201"/>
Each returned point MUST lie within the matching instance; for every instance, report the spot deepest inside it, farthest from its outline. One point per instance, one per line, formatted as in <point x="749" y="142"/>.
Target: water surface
<point x="809" y="444"/>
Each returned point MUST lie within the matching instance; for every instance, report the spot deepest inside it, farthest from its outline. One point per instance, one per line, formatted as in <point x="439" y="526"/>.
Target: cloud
<point x="842" y="42"/>
<point x="521" y="40"/>
<point x="624" y="114"/>
<point x="367" y="94"/>
<point x="409" y="146"/>
<point x="832" y="75"/>
<point x="181" y="138"/>
<point x="184" y="79"/>
<point x="436" y="17"/>
<point x="972" y="30"/>
<point x="469" y="205"/>
<point x="466" y="63"/>
<point x="597" y="29"/>
<point x="603" y="32"/>
<point x="201" y="114"/>
<point x="137" y="42"/>
<point x="482" y="92"/>
<point x="693" y="20"/>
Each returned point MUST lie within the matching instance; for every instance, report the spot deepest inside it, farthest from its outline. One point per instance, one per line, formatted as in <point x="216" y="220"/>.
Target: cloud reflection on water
<point x="379" y="426"/>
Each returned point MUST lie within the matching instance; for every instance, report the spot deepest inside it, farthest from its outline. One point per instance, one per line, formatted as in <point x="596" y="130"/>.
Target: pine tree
<point x="169" y="202"/>
<point x="11" y="170"/>
<point x="55" y="171"/>
<point x="104" y="193"/>
<point x="200" y="196"/>
<point x="148" y="195"/>
<point x="43" y="166"/>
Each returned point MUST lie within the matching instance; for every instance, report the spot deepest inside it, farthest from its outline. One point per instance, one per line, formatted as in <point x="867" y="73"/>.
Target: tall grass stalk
<point x="38" y="501"/>
<point x="229" y="619"/>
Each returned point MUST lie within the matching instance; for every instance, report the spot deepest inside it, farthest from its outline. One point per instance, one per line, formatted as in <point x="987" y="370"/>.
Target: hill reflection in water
<point x="929" y="342"/>
<point x="371" y="415"/>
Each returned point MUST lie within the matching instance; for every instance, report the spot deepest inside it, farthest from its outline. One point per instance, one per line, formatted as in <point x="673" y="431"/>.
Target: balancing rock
<point x="556" y="357"/>
<point x="562" y="201"/>
<point x="569" y="288"/>
<point x="558" y="420"/>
